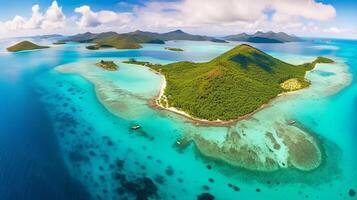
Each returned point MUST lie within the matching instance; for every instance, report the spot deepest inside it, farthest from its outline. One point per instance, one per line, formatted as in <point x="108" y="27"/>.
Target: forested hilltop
<point x="25" y="45"/>
<point x="230" y="86"/>
<point x="133" y="40"/>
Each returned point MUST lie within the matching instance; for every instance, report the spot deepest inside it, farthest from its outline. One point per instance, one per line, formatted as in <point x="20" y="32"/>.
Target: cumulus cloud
<point x="53" y="18"/>
<point x="307" y="9"/>
<point x="195" y="12"/>
<point x="90" y="18"/>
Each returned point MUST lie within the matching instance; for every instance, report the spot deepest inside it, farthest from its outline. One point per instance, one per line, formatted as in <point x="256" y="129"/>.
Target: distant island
<point x="107" y="65"/>
<point x="25" y="45"/>
<point x="261" y="37"/>
<point x="173" y="49"/>
<point x="133" y="40"/>
<point x="229" y="87"/>
<point x="58" y="43"/>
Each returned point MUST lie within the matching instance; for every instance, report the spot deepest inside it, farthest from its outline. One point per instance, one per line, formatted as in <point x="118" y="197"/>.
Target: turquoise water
<point x="91" y="112"/>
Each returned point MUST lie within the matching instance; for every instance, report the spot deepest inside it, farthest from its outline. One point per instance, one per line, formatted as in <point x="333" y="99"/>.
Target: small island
<point x="107" y="65"/>
<point x="25" y="45"/>
<point x="232" y="86"/>
<point x="59" y="43"/>
<point x="173" y="49"/>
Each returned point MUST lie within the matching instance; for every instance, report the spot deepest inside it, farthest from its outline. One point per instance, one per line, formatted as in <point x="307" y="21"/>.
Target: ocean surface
<point x="65" y="127"/>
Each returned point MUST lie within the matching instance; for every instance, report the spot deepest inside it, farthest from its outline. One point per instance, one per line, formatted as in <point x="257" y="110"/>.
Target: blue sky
<point x="315" y="18"/>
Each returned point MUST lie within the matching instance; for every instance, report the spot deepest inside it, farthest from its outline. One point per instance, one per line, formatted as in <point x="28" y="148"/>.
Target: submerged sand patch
<point x="283" y="147"/>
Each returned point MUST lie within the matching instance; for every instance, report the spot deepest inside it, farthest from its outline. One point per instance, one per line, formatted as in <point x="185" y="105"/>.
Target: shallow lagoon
<point x="92" y="140"/>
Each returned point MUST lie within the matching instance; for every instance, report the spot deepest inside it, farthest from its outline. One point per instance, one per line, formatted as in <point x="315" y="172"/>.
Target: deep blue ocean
<point x="37" y="162"/>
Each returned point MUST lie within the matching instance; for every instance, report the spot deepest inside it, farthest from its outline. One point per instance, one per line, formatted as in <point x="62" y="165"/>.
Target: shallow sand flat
<point x="264" y="142"/>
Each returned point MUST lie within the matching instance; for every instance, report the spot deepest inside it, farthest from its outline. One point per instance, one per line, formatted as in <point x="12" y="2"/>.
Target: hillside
<point x="261" y="37"/>
<point x="230" y="86"/>
<point x="25" y="45"/>
<point x="133" y="40"/>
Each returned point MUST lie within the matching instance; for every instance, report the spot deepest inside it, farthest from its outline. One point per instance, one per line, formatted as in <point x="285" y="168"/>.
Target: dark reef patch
<point x="205" y="196"/>
<point x="76" y="156"/>
<point x="141" y="188"/>
<point x="159" y="179"/>
<point x="169" y="171"/>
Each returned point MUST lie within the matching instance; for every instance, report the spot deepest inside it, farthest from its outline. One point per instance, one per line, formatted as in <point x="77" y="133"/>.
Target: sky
<point x="307" y="18"/>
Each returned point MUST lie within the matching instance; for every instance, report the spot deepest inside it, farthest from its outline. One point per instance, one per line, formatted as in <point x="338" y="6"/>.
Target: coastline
<point x="155" y="103"/>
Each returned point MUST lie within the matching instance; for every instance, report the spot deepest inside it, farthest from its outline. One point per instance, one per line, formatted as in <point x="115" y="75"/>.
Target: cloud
<point x="218" y="17"/>
<point x="90" y="18"/>
<point x="197" y="12"/>
<point x="308" y="9"/>
<point x="52" y="19"/>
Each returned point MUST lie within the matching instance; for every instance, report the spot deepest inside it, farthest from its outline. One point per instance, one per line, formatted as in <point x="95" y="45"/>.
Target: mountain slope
<point x="230" y="86"/>
<point x="133" y="40"/>
<point x="25" y="45"/>
<point x="261" y="37"/>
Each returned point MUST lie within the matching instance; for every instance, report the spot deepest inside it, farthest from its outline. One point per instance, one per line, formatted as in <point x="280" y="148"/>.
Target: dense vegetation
<point x="173" y="49"/>
<point x="107" y="65"/>
<point x="156" y="67"/>
<point x="114" y="42"/>
<point x="261" y="37"/>
<point x="25" y="45"/>
<point x="321" y="59"/>
<point x="229" y="86"/>
<point x="133" y="40"/>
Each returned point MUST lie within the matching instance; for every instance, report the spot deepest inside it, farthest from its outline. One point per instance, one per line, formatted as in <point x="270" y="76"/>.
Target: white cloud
<point x="198" y="12"/>
<point x="307" y="9"/>
<point x="52" y="19"/>
<point x="219" y="17"/>
<point x="90" y="18"/>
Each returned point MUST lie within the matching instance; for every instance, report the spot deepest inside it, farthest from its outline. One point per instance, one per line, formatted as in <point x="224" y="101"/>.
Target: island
<point x="133" y="40"/>
<point x="230" y="87"/>
<point x="173" y="49"/>
<point x="261" y="37"/>
<point x="59" y="43"/>
<point x="25" y="45"/>
<point x="107" y="65"/>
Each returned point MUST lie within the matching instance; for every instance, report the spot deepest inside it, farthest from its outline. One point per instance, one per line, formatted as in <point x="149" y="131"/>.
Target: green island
<point x="25" y="45"/>
<point x="114" y="42"/>
<point x="133" y="40"/>
<point x="59" y="43"/>
<point x="173" y="49"/>
<point x="107" y="65"/>
<point x="231" y="86"/>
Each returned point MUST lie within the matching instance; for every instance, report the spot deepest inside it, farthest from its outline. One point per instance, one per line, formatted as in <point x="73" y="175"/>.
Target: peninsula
<point x="25" y="45"/>
<point x="231" y="86"/>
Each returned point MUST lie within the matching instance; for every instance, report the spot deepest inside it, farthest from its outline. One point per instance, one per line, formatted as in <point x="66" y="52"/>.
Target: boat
<point x="135" y="127"/>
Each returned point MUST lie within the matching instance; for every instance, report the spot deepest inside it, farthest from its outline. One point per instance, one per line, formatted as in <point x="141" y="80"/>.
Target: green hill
<point x="116" y="42"/>
<point x="261" y="37"/>
<point x="133" y="40"/>
<point x="232" y="85"/>
<point x="25" y="45"/>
